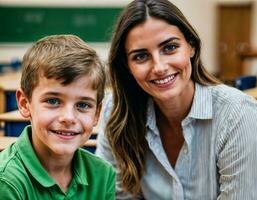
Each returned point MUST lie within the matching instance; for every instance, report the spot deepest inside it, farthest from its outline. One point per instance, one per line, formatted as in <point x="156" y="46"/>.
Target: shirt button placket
<point x="185" y="150"/>
<point x="178" y="191"/>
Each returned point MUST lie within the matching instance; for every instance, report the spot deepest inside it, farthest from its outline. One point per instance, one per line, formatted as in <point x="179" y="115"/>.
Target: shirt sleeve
<point x="8" y="191"/>
<point x="237" y="155"/>
<point x="104" y="150"/>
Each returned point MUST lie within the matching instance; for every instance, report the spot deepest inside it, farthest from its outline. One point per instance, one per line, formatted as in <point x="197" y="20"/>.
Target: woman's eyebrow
<point x="159" y="45"/>
<point x="167" y="41"/>
<point x="136" y="51"/>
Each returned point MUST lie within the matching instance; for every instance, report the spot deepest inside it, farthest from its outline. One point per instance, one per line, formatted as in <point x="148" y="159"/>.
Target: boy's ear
<point x="23" y="103"/>
<point x="97" y="114"/>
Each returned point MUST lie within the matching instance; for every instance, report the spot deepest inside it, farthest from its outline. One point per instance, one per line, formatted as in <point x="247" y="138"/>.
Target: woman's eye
<point x="53" y="101"/>
<point x="140" y="57"/>
<point x="168" y="48"/>
<point x="82" y="105"/>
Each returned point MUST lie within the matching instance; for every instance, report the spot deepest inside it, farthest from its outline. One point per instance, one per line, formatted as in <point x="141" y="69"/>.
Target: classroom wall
<point x="201" y="14"/>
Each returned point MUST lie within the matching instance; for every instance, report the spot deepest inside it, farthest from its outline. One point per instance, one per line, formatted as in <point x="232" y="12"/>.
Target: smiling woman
<point x="170" y="127"/>
<point x="159" y="58"/>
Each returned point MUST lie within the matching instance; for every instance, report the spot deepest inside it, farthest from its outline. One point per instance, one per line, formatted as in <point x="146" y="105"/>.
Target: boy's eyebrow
<point x="88" y="99"/>
<point x="85" y="98"/>
<point x="52" y="94"/>
<point x="159" y="45"/>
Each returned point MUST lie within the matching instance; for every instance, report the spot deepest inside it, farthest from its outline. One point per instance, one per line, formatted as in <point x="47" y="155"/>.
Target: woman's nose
<point x="159" y="65"/>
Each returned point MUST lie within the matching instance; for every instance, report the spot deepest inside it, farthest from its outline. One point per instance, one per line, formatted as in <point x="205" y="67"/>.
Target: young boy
<point x="62" y="87"/>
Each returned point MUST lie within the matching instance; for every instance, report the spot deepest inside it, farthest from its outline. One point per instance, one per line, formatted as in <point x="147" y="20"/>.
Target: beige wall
<point x="201" y="14"/>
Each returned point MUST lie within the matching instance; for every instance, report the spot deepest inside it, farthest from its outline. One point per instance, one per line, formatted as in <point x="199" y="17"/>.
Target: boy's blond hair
<point x="64" y="58"/>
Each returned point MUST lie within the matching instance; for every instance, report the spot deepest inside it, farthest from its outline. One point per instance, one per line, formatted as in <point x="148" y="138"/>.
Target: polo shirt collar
<point x="32" y="163"/>
<point x="30" y="159"/>
<point x="79" y="168"/>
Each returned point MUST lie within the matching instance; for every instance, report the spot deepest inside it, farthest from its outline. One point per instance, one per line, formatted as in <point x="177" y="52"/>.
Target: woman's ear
<point x="192" y="46"/>
<point x="23" y="103"/>
<point x="192" y="53"/>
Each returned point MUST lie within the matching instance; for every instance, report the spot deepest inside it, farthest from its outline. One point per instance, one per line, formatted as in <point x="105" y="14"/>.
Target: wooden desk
<point x="12" y="123"/>
<point x="6" y="141"/>
<point x="13" y="116"/>
<point x="252" y="92"/>
<point x="9" y="82"/>
<point x="252" y="54"/>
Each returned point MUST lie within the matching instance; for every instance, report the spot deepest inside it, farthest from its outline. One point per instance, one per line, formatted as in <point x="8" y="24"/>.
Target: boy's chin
<point x="65" y="150"/>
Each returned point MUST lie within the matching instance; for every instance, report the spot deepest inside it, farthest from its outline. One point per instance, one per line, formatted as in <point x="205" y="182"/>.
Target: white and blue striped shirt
<point x="218" y="159"/>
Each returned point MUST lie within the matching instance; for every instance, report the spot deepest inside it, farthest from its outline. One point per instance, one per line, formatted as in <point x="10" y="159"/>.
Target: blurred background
<point x="227" y="28"/>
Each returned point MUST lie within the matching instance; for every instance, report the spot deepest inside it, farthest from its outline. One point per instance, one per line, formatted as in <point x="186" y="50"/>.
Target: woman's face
<point x="159" y="59"/>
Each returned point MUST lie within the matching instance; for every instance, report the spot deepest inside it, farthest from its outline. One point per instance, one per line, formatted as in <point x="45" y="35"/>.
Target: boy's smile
<point x="66" y="133"/>
<point x="62" y="116"/>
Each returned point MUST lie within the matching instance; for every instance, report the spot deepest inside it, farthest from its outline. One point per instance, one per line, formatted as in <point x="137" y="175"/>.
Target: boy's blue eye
<point x="53" y="101"/>
<point x="82" y="105"/>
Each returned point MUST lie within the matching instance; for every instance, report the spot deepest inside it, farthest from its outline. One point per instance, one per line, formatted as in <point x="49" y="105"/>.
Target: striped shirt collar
<point x="201" y="107"/>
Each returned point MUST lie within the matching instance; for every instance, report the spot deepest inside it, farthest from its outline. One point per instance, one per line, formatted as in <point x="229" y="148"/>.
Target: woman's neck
<point x="176" y="109"/>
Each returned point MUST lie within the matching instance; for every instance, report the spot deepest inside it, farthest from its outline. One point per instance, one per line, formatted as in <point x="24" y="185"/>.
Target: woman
<point x="172" y="130"/>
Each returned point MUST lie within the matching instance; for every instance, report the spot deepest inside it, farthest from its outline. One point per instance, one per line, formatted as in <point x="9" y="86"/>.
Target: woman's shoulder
<point x="229" y="95"/>
<point x="229" y="103"/>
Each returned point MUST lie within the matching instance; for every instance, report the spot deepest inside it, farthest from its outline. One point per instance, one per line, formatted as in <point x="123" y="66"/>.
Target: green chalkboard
<point x="28" y="24"/>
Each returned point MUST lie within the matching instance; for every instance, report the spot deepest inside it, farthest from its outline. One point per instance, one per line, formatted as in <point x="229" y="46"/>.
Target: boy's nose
<point x="67" y="115"/>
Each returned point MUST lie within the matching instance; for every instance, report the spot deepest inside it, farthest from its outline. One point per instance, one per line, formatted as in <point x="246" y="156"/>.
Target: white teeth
<point x="65" y="134"/>
<point x="166" y="80"/>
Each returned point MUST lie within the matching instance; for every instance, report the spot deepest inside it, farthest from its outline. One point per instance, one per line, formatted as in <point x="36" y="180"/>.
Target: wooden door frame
<point x="219" y="6"/>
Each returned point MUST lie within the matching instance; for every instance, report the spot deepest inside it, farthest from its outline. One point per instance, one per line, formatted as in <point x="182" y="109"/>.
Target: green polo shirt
<point x="23" y="177"/>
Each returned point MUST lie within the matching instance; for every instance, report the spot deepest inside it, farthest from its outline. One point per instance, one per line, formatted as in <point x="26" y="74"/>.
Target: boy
<point x="62" y="87"/>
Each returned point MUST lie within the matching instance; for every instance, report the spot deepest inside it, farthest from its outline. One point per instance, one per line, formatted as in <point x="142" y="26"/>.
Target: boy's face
<point x="62" y="117"/>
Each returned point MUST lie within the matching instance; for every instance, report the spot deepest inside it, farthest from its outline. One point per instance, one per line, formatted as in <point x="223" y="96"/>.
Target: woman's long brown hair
<point x="126" y="127"/>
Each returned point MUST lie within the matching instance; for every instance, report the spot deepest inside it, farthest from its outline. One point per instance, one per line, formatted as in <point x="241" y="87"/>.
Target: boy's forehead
<point x="86" y="80"/>
<point x="80" y="85"/>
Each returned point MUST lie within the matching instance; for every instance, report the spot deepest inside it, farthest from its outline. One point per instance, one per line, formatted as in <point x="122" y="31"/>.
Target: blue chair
<point x="3" y="67"/>
<point x="14" y="64"/>
<point x="245" y="82"/>
<point x="11" y="103"/>
<point x="14" y="129"/>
